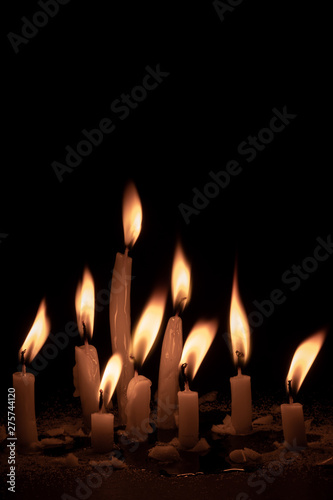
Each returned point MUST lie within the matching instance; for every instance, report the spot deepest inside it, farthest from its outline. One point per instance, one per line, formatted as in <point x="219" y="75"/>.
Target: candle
<point x="138" y="391"/>
<point x="241" y="399"/>
<point x="292" y="413"/>
<point x="195" y="349"/>
<point x="168" y="385"/>
<point x="120" y="313"/>
<point x="102" y="423"/>
<point x="24" y="383"/>
<point x="86" y="371"/>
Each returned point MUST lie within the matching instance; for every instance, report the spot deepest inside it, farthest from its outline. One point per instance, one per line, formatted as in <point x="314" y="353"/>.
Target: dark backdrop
<point x="222" y="80"/>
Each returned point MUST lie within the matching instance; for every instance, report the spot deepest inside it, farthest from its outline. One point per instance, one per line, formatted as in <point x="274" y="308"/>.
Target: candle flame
<point x="197" y="344"/>
<point x="37" y="334"/>
<point x="85" y="303"/>
<point x="239" y="326"/>
<point x="132" y="215"/>
<point x="180" y="279"/>
<point x="148" y="326"/>
<point x="110" y="377"/>
<point x="303" y="359"/>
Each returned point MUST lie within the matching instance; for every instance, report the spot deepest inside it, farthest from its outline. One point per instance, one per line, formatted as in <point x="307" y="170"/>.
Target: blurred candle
<point x="102" y="423"/>
<point x="24" y="383"/>
<point x="86" y="371"/>
<point x="168" y="383"/>
<point x="292" y="413"/>
<point x="138" y="391"/>
<point x="241" y="399"/>
<point x="195" y="349"/>
<point x="120" y="310"/>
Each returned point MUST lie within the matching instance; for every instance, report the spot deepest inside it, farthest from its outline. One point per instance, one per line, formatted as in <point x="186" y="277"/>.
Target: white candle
<point x="241" y="403"/>
<point x="87" y="380"/>
<point x="102" y="423"/>
<point x="188" y="424"/>
<point x="293" y="425"/>
<point x="24" y="383"/>
<point x="120" y="309"/>
<point x="168" y="383"/>
<point x="25" y="419"/>
<point x="120" y="325"/>
<point x="138" y="407"/>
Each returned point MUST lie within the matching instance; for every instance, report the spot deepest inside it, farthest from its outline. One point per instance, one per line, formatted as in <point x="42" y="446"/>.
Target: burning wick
<point x="291" y="400"/>
<point x="239" y="355"/>
<point x="85" y="336"/>
<point x="24" y="370"/>
<point x="136" y="367"/>
<point x="184" y="376"/>
<point x="100" y="405"/>
<point x="179" y="308"/>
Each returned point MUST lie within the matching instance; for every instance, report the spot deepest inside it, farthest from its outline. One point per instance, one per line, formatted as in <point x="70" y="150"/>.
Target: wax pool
<point x="293" y="425"/>
<point x="87" y="380"/>
<point x="168" y="385"/>
<point x="120" y="325"/>
<point x="138" y="407"/>
<point x="102" y="432"/>
<point x="25" y="419"/>
<point x="241" y="403"/>
<point x="188" y="423"/>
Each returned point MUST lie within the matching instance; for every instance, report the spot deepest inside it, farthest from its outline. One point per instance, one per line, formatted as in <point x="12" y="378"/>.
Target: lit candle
<point x="138" y="391"/>
<point x="168" y="381"/>
<point x="24" y="383"/>
<point x="292" y="413"/>
<point x="195" y="349"/>
<point x="86" y="371"/>
<point x="241" y="399"/>
<point x="120" y="311"/>
<point x="102" y="423"/>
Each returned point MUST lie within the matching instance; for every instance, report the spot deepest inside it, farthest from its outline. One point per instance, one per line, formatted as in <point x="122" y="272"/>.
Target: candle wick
<point x="239" y="355"/>
<point x="180" y="307"/>
<point x="85" y="335"/>
<point x="126" y="252"/>
<point x="187" y="387"/>
<point x="291" y="399"/>
<point x="239" y="371"/>
<point x="100" y="405"/>
<point x="24" y="370"/>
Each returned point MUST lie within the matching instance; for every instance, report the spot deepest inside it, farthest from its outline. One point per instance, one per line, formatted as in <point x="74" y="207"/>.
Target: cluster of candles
<point x="129" y="353"/>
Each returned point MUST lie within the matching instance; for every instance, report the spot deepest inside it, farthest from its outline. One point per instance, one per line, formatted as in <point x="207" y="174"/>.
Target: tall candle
<point x="168" y="384"/>
<point x="292" y="413"/>
<point x="24" y="383"/>
<point x="86" y="372"/>
<point x="138" y="391"/>
<point x="120" y="309"/>
<point x="102" y="423"/>
<point x="194" y="351"/>
<point x="241" y="399"/>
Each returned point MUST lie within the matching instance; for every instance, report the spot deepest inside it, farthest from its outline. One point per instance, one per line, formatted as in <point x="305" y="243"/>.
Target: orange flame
<point x="239" y="326"/>
<point x="180" y="279"/>
<point x="197" y="345"/>
<point x="37" y="335"/>
<point x="148" y="326"/>
<point x="110" y="377"/>
<point x="85" y="303"/>
<point x="303" y="359"/>
<point x="132" y="215"/>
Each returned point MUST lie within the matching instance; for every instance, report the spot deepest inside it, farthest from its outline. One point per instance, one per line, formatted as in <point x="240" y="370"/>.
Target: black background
<point x="224" y="80"/>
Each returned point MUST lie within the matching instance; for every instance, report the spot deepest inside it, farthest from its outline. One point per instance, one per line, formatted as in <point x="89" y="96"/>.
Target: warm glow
<point x="180" y="279"/>
<point x="132" y="215"/>
<point x="110" y="377"/>
<point x="85" y="303"/>
<point x="303" y="358"/>
<point x="239" y="326"/>
<point x="148" y="327"/>
<point x="37" y="335"/>
<point x="197" y="345"/>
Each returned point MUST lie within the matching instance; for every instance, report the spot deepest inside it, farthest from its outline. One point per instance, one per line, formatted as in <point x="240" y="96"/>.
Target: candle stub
<point x="25" y="419"/>
<point x="241" y="403"/>
<point x="138" y="407"/>
<point x="102" y="433"/>
<point x="293" y="425"/>
<point x="188" y="423"/>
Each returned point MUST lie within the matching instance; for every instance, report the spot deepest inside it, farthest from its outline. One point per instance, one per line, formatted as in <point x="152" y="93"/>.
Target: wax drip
<point x="23" y="362"/>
